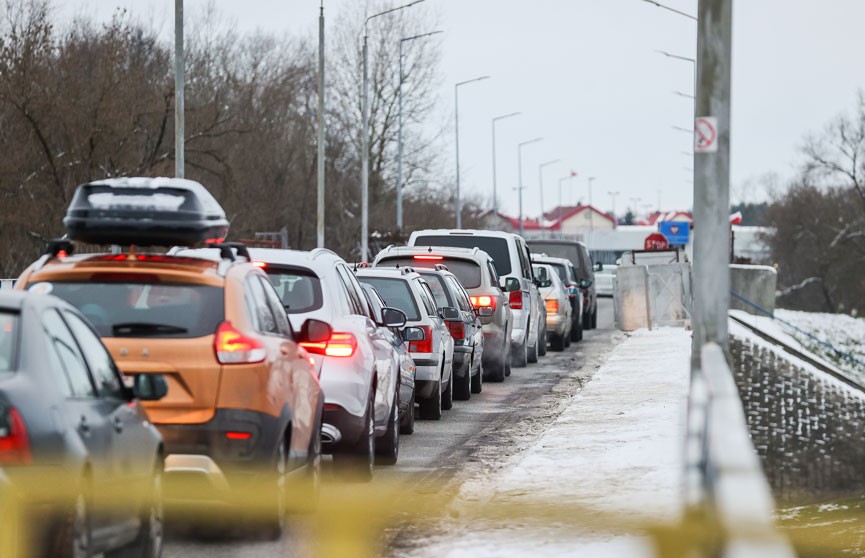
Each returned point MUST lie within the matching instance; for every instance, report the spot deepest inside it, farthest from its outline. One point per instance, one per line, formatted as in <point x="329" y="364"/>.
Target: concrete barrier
<point x="652" y="295"/>
<point x="756" y="283"/>
<point x="7" y="284"/>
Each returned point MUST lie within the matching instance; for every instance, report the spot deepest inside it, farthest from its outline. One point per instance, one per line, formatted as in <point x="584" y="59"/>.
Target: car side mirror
<point x="393" y="317"/>
<point x="585" y="283"/>
<point x="484" y="312"/>
<point x="599" y="266"/>
<point x="509" y="284"/>
<point x="413" y="334"/>
<point x="314" y="331"/>
<point x="450" y="314"/>
<point x="545" y="283"/>
<point x="149" y="387"/>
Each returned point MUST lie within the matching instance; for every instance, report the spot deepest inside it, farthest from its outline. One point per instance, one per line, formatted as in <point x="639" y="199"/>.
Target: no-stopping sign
<point x="706" y="134"/>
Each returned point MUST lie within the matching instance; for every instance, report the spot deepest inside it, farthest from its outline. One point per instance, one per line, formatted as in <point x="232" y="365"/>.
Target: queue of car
<point x="196" y="376"/>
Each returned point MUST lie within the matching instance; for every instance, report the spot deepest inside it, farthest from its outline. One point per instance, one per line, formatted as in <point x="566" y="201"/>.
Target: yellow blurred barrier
<point x="355" y="520"/>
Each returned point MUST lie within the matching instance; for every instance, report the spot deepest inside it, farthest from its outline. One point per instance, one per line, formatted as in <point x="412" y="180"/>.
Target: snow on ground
<point x="846" y="333"/>
<point x="617" y="449"/>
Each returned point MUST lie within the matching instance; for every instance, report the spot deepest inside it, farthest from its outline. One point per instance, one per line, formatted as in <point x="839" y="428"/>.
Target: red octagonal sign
<point x="656" y="241"/>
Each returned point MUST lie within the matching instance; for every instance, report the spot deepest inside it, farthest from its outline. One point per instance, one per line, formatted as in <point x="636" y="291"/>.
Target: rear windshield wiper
<point x="130" y="329"/>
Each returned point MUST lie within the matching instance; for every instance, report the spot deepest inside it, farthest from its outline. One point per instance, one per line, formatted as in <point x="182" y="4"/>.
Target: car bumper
<point x="341" y="428"/>
<point x="462" y="361"/>
<point x="557" y="323"/>
<point x="427" y="368"/>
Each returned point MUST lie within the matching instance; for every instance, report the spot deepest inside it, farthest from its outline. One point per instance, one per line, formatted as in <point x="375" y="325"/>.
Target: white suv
<point x="427" y="334"/>
<point x="513" y="264"/>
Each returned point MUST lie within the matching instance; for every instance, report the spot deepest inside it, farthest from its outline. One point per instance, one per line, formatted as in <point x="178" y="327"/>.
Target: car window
<point x="428" y="298"/>
<point x="354" y="297"/>
<point x="439" y="290"/>
<point x="494" y="276"/>
<point x="259" y="309"/>
<point x="495" y="246"/>
<point x="376" y="304"/>
<point x="467" y="271"/>
<point x="561" y="270"/>
<point x="8" y="340"/>
<point x="66" y="356"/>
<point x="396" y="294"/>
<point x="276" y="307"/>
<point x="462" y="297"/>
<point x="108" y="382"/>
<point x="298" y="288"/>
<point x="525" y="260"/>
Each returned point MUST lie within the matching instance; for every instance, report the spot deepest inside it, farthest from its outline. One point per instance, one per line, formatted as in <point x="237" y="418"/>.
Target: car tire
<point x="358" y="462"/>
<point x="557" y="342"/>
<point x="567" y="338"/>
<point x="477" y="381"/>
<point x="148" y="543"/>
<point x="448" y="395"/>
<point x="273" y="520"/>
<point x="387" y="447"/>
<point x="497" y="370"/>
<point x="532" y="352"/>
<point x="576" y="330"/>
<point x="542" y="342"/>
<point x="595" y="318"/>
<point x="307" y="498"/>
<point x="431" y="409"/>
<point x="520" y="355"/>
<point x="463" y="386"/>
<point x="587" y="321"/>
<point x="73" y="536"/>
<point x="509" y="361"/>
<point x="407" y="424"/>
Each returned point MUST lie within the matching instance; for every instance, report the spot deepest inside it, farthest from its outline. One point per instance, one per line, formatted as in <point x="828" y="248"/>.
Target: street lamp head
<point x="422" y="35"/>
<point x="553" y="161"/>
<point x="535" y="140"/>
<point x="409" y="5"/>
<point x="510" y="114"/>
<point x="481" y="78"/>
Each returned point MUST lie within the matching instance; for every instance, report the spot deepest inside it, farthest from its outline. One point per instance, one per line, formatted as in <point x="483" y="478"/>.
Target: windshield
<point x="468" y="272"/>
<point x="560" y="269"/>
<point x="145" y="309"/>
<point x="8" y="340"/>
<point x="496" y="247"/>
<point x="396" y="294"/>
<point x="299" y="289"/>
<point x="568" y="251"/>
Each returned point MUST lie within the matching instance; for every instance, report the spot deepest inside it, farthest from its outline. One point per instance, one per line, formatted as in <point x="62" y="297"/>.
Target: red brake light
<point x="261" y="265"/>
<point x="238" y="435"/>
<point x="233" y="347"/>
<point x="14" y="443"/>
<point x="430" y="258"/>
<point x="424" y="346"/>
<point x="515" y="298"/>
<point x="552" y="306"/>
<point x="339" y="345"/>
<point x="481" y="301"/>
<point x="457" y="329"/>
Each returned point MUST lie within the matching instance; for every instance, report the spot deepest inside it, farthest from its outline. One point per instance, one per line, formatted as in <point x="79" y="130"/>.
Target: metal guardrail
<point x="724" y="477"/>
<point x="7" y="284"/>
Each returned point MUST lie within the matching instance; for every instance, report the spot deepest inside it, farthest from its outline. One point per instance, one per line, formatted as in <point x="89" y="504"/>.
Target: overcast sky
<point x="586" y="77"/>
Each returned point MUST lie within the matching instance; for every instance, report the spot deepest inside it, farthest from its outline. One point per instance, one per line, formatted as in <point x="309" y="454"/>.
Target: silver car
<point x="559" y="318"/>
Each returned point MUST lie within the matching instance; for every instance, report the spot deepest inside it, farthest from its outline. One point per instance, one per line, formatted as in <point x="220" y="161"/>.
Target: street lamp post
<point x="399" y="184"/>
<point x="670" y="9"/>
<point x="179" y="97"/>
<point x="613" y="198"/>
<point x="495" y="194"/>
<point x="541" y="182"/>
<point x="319" y="179"/>
<point x="457" y="132"/>
<point x="520" y="175"/>
<point x="364" y="140"/>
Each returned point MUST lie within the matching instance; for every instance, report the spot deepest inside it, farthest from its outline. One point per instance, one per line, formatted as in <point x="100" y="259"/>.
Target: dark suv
<point x="579" y="255"/>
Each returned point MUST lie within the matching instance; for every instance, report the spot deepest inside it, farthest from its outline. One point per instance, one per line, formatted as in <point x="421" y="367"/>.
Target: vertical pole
<point x="364" y="158"/>
<point x="712" y="176"/>
<point x="179" y="97"/>
<point x="495" y="194"/>
<point x="319" y="228"/>
<point x="457" y="131"/>
<point x="399" y="150"/>
<point x="520" y="184"/>
<point x="560" y="204"/>
<point x="541" y="188"/>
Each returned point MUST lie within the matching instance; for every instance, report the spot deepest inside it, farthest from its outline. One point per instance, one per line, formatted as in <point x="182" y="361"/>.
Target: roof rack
<point x="441" y="267"/>
<point x="226" y="250"/>
<point x="58" y="247"/>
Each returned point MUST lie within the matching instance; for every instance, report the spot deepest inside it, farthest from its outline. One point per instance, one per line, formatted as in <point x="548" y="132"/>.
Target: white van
<point x="513" y="264"/>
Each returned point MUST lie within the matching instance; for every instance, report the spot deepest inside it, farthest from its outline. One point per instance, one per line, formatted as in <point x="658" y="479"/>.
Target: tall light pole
<point x="495" y="193"/>
<point x="399" y="184"/>
<point x="591" y="209"/>
<point x="319" y="222"/>
<point x="635" y="203"/>
<point x="613" y="198"/>
<point x="520" y="175"/>
<point x="179" y="96"/>
<point x="670" y="9"/>
<point x="541" y="181"/>
<point x="364" y="140"/>
<point x="457" y="86"/>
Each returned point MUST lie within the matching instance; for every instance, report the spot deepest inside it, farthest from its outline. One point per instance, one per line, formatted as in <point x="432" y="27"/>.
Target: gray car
<point x="578" y="253"/>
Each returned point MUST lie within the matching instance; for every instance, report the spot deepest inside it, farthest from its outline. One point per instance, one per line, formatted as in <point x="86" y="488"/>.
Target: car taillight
<point x="515" y="298"/>
<point x="14" y="443"/>
<point x="429" y="258"/>
<point x="339" y="345"/>
<point x="424" y="346"/>
<point x="457" y="329"/>
<point x="233" y="347"/>
<point x="552" y="306"/>
<point x="481" y="301"/>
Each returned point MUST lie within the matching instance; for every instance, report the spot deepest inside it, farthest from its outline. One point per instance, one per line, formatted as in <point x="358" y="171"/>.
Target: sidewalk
<point x="616" y="449"/>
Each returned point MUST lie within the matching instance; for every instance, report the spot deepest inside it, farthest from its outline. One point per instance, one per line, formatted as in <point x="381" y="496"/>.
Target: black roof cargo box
<point x="145" y="212"/>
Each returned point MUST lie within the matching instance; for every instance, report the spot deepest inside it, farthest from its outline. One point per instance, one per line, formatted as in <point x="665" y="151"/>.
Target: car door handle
<point x="84" y="427"/>
<point x="118" y="424"/>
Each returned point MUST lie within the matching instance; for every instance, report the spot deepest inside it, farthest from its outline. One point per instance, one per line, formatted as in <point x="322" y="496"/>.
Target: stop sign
<point x="656" y="241"/>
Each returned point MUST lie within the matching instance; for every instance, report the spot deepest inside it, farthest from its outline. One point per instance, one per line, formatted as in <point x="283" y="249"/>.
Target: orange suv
<point x="244" y="404"/>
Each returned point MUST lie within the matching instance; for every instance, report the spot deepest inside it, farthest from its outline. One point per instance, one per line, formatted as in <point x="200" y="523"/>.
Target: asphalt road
<point x="476" y="437"/>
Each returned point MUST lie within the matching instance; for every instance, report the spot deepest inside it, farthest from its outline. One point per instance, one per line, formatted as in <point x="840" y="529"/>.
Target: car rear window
<point x="568" y="251"/>
<point x="468" y="272"/>
<point x="8" y="340"/>
<point x="161" y="310"/>
<point x="396" y="294"/>
<point x="437" y="285"/>
<point x="496" y="247"/>
<point x="560" y="269"/>
<point x="298" y="288"/>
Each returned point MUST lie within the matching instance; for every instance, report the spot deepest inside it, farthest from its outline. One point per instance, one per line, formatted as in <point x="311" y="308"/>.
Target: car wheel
<point x="273" y="522"/>
<point x="305" y="500"/>
<point x="463" y="386"/>
<point x="73" y="540"/>
<point x="497" y="370"/>
<point x="431" y="409"/>
<point x="509" y="361"/>
<point x="532" y="352"/>
<point x="407" y="424"/>
<point x="567" y="338"/>
<point x="587" y="321"/>
<point x="357" y="462"/>
<point x="595" y="318"/>
<point x="520" y="355"/>
<point x="576" y="329"/>
<point x="387" y="447"/>
<point x="448" y="395"/>
<point x="477" y="380"/>
<point x="557" y="342"/>
<point x="148" y="543"/>
<point x="542" y="342"/>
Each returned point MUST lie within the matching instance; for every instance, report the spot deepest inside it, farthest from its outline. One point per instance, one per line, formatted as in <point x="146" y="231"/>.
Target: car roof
<point x="451" y="251"/>
<point x="555" y="241"/>
<point x="465" y="232"/>
<point x="397" y="272"/>
<point x="275" y="256"/>
<point x="543" y="258"/>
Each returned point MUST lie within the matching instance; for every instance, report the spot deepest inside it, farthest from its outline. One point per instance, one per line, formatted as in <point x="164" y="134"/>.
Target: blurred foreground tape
<point x="356" y="520"/>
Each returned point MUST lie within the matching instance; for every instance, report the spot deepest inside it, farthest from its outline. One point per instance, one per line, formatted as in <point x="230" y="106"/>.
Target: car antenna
<point x="429" y="250"/>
